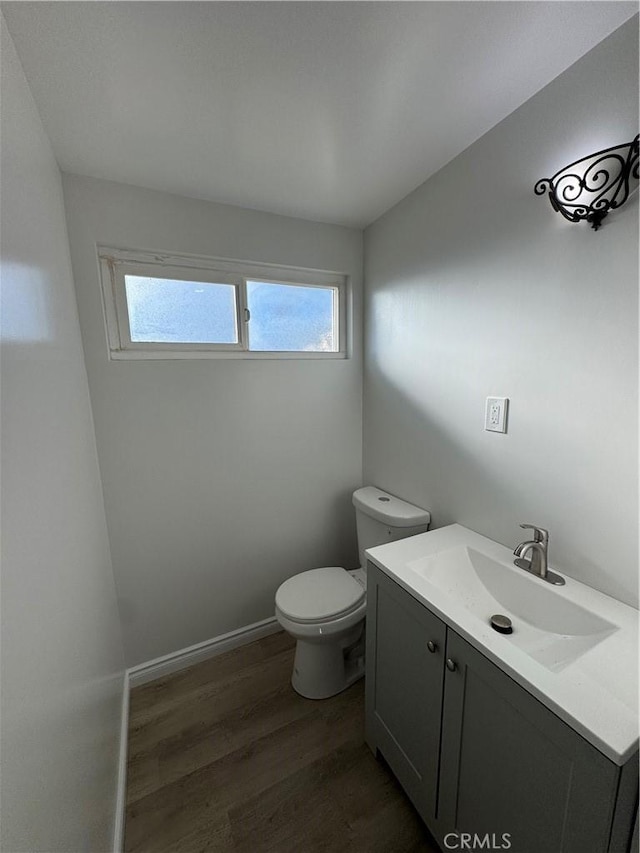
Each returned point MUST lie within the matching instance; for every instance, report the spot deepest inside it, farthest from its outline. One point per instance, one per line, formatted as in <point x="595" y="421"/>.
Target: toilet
<point x="324" y="609"/>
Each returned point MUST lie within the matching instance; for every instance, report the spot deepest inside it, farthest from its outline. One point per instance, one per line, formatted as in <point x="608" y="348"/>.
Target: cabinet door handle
<point x="432" y="646"/>
<point x="451" y="665"/>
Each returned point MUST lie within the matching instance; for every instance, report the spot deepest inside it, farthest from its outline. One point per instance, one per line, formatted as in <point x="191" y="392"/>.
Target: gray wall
<point x="62" y="661"/>
<point x="475" y="288"/>
<point x="221" y="477"/>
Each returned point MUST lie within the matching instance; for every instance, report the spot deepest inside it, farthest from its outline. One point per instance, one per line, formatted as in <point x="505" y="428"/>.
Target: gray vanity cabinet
<point x="509" y="765"/>
<point x="405" y="675"/>
<point x="475" y="751"/>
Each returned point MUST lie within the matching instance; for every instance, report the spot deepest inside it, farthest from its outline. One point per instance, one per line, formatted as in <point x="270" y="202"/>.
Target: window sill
<point x="200" y="355"/>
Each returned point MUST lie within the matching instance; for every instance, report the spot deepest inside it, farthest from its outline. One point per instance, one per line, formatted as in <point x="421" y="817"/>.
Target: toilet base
<point x="321" y="670"/>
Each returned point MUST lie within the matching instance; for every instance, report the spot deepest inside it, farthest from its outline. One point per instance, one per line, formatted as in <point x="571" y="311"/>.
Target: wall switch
<point x="495" y="415"/>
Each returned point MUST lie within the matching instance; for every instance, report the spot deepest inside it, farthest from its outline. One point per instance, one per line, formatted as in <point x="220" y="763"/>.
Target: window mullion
<point x="243" y="315"/>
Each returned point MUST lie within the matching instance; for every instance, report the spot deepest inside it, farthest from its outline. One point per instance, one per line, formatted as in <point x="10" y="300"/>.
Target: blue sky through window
<point x="289" y="317"/>
<point x="284" y="317"/>
<point x="165" y="310"/>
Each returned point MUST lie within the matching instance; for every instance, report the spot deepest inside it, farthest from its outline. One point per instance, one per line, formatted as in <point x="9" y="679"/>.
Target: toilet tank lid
<point x="389" y="509"/>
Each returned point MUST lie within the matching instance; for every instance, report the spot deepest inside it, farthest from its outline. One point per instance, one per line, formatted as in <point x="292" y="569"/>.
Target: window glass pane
<point x="290" y="317"/>
<point x="163" y="310"/>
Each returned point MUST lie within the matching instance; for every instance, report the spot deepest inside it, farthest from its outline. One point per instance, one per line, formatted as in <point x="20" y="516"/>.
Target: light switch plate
<point x="495" y="414"/>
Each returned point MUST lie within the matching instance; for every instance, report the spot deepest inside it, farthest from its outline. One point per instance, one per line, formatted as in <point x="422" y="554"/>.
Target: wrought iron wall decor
<point x="589" y="188"/>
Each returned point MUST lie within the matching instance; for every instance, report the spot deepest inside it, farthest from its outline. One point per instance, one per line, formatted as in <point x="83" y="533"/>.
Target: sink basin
<point x="550" y="628"/>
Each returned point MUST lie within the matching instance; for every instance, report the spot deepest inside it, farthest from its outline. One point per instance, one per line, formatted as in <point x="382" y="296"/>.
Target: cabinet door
<point x="404" y="687"/>
<point x="509" y="765"/>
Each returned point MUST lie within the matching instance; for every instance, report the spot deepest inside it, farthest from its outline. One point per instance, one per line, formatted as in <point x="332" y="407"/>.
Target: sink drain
<point x="501" y="624"/>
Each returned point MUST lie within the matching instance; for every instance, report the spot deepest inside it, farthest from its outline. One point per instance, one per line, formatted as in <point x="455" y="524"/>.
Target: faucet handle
<point x="539" y="533"/>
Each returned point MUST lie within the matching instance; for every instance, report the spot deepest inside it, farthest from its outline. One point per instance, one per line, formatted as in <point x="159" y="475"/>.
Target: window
<point x="160" y="306"/>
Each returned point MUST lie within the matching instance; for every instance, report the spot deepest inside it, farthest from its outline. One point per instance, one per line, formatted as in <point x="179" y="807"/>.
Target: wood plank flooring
<point x="225" y="756"/>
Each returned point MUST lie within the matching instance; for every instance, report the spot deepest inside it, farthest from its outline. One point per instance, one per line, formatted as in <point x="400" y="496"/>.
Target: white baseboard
<point x="121" y="791"/>
<point x="159" y="667"/>
<point x="165" y="665"/>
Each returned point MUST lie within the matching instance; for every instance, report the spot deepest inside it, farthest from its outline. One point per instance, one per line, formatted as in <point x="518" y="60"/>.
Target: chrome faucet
<point x="539" y="549"/>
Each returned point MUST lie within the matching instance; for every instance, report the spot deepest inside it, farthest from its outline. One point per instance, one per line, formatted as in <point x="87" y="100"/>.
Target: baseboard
<point x="121" y="791"/>
<point x="159" y="667"/>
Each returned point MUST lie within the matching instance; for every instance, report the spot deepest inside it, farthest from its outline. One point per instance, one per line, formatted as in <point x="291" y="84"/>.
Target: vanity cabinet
<point x="404" y="692"/>
<point x="475" y="752"/>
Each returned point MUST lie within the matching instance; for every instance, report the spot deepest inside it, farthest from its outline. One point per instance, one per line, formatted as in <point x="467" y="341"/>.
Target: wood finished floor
<point x="225" y="756"/>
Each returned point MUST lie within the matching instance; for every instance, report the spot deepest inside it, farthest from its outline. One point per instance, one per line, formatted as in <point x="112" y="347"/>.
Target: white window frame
<point x="116" y="263"/>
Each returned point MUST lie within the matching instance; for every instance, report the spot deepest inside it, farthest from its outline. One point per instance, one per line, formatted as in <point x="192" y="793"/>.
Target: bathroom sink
<point x="573" y="647"/>
<point x="551" y="629"/>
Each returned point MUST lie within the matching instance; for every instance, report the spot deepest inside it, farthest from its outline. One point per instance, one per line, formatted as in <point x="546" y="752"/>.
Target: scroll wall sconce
<point x="589" y="188"/>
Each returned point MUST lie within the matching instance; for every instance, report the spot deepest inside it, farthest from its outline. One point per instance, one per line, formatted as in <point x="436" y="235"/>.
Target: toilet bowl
<point x="324" y="609"/>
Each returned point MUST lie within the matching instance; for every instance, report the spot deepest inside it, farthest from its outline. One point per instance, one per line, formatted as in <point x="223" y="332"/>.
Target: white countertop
<point x="596" y="694"/>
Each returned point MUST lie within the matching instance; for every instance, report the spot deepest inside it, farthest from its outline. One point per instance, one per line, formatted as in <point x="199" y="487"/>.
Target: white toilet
<point x="324" y="609"/>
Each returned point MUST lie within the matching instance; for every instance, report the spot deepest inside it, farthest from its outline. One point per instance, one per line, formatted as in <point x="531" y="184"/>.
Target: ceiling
<point x="331" y="111"/>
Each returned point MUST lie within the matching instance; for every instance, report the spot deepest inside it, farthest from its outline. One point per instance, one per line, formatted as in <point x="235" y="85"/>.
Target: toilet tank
<point x="381" y="517"/>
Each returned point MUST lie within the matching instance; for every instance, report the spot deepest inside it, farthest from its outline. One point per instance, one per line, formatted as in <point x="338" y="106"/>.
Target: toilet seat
<point x="319" y="595"/>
